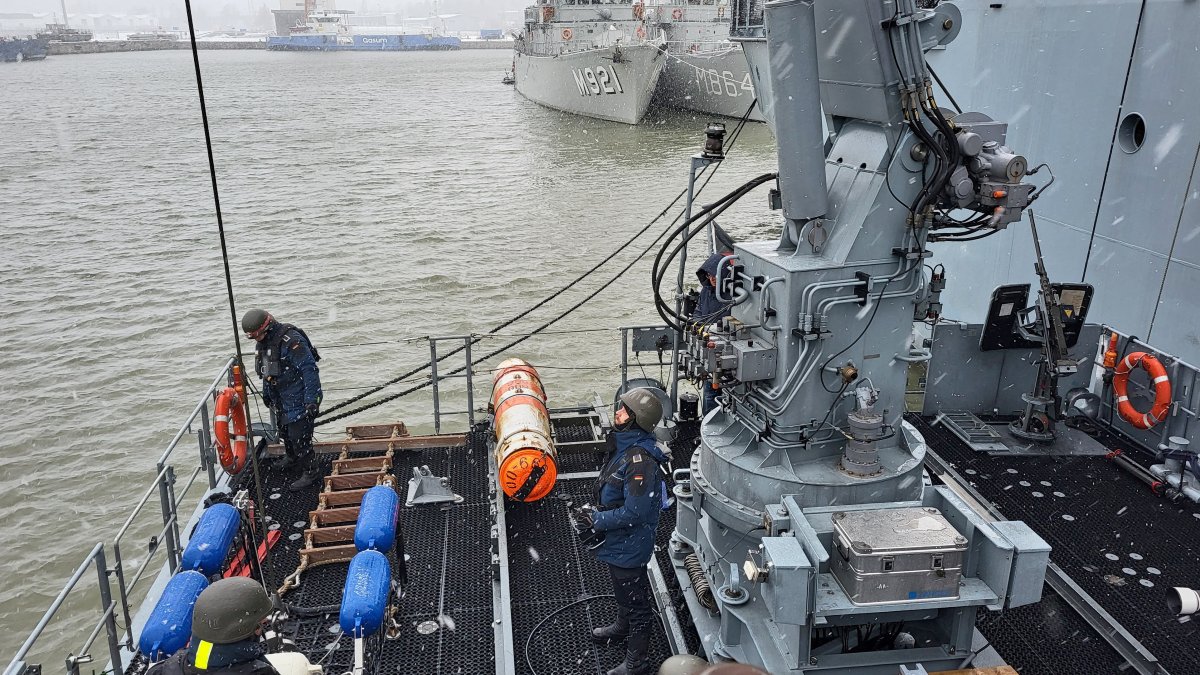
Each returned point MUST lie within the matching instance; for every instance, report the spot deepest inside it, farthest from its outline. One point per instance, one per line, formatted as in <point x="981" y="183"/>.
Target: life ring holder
<point x="229" y="431"/>
<point x="677" y="14"/>
<point x="567" y="33"/>
<point x="1162" y="390"/>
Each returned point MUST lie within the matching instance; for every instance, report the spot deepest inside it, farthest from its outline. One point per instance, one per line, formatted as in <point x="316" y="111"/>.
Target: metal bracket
<point x="426" y="488"/>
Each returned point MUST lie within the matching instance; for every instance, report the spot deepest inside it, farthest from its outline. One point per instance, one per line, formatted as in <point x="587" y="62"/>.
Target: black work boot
<point x="285" y="463"/>
<point x="310" y="476"/>
<point x="636" y="657"/>
<point x="614" y="632"/>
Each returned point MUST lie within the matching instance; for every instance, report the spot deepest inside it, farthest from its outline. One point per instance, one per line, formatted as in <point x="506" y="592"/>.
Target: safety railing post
<point x="168" y="508"/>
<point x="205" y="438"/>
<point x="624" y="357"/>
<point x="470" y="384"/>
<point x="174" y="512"/>
<point x="106" y="605"/>
<point x="437" y="412"/>
<point x="122" y="590"/>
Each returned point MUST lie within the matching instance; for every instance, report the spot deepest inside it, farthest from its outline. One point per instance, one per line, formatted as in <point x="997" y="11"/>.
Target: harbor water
<point x="372" y="199"/>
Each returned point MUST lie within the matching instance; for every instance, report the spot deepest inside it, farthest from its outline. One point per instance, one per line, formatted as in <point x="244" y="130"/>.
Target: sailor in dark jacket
<point x="710" y="310"/>
<point x="287" y="362"/>
<point x="226" y="624"/>
<point x="629" y="498"/>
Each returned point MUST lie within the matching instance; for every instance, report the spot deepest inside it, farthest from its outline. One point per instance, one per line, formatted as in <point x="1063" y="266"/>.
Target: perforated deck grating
<point x="1121" y="544"/>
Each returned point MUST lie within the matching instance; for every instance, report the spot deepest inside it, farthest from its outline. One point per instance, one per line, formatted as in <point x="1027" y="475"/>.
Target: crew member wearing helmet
<point x="710" y="310"/>
<point x="226" y="623"/>
<point x="286" y="360"/>
<point x="629" y="497"/>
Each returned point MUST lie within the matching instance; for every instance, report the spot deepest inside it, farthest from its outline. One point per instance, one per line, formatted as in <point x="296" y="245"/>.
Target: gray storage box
<point x="896" y="555"/>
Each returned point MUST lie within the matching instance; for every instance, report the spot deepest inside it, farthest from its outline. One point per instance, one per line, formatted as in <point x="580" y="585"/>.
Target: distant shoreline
<point x="112" y="46"/>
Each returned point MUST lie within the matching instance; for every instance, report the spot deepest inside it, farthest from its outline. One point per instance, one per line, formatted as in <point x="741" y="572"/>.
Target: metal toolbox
<point x="896" y="555"/>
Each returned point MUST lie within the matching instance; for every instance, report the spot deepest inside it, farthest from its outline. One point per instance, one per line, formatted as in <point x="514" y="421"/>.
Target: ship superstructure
<point x="595" y="59"/>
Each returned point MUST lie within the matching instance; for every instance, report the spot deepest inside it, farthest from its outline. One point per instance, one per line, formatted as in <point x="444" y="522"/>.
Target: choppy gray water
<point x="370" y="198"/>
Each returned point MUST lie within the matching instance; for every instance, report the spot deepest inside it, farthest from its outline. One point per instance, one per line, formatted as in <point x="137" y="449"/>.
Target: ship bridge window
<point x="1131" y="134"/>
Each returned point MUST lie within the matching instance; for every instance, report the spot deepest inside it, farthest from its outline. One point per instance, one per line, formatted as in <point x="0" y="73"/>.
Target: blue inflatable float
<point x="170" y="624"/>
<point x="377" y="517"/>
<point x="365" y="597"/>
<point x="209" y="546"/>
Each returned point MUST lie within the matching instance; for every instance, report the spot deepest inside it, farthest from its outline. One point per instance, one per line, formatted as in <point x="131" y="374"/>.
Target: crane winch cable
<point x="240" y="362"/>
<point x="374" y="390"/>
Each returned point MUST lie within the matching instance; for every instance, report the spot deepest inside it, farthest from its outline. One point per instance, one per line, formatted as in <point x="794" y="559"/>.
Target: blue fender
<point x="365" y="597"/>
<point x="170" y="624"/>
<point x="376" y="527"/>
<point x="209" y="546"/>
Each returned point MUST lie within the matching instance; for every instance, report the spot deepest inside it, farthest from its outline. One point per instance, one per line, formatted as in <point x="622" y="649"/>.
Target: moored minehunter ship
<point x="595" y="59"/>
<point x="705" y="71"/>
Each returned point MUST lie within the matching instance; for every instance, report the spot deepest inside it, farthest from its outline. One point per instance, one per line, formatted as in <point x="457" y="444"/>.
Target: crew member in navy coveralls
<point x="286" y="360"/>
<point x="710" y="310"/>
<point x="629" y="497"/>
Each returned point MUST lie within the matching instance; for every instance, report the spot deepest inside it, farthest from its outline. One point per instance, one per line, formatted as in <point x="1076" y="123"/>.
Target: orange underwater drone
<point x="525" y="455"/>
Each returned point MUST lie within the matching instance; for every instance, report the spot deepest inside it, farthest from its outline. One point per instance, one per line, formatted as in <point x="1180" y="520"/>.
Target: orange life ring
<point x="677" y="14"/>
<point x="641" y="33"/>
<point x="567" y="33"/>
<point x="639" y="10"/>
<point x="229" y="431"/>
<point x="1162" y="390"/>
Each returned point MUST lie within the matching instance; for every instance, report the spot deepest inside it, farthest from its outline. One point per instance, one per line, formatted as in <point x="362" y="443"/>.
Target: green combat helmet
<point x="644" y="406"/>
<point x="254" y="320"/>
<point x="230" y="611"/>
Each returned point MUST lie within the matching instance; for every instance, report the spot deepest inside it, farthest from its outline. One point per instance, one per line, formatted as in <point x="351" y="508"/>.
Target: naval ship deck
<point x="1123" y="546"/>
<point x="447" y="618"/>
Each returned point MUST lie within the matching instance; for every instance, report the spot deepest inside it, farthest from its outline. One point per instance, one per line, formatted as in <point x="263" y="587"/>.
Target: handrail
<point x="14" y="667"/>
<point x="163" y="485"/>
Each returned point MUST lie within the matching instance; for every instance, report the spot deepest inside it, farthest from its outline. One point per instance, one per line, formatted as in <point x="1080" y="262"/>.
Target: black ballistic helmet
<point x="254" y="320"/>
<point x="644" y="406"/>
<point x="230" y="611"/>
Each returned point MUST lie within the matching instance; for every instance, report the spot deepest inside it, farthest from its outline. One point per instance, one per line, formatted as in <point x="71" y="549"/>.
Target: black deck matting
<point x="449" y="571"/>
<point x="1121" y="544"/>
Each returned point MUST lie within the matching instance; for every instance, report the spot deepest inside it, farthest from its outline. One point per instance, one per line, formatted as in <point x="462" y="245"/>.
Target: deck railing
<point x="169" y="499"/>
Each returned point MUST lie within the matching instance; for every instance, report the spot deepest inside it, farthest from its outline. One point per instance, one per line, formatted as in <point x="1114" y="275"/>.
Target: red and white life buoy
<point x="1162" y="390"/>
<point x="677" y="14"/>
<point x="641" y="32"/>
<point x="229" y="431"/>
<point x="567" y="33"/>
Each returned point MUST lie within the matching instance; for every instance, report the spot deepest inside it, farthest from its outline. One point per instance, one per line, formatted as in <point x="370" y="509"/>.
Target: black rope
<point x="476" y="339"/>
<point x="237" y="341"/>
<point x="511" y="321"/>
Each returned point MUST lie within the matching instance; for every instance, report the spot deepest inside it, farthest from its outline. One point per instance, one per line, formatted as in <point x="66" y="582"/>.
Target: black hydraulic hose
<point x="509" y="322"/>
<point x="729" y="146"/>
<point x="551" y="615"/>
<point x="660" y="268"/>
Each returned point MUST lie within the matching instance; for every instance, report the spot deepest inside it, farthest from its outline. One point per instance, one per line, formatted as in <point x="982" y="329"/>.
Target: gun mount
<point x="806" y="506"/>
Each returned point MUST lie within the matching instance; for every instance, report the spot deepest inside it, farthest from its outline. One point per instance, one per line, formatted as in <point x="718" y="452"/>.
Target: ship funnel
<point x="525" y="454"/>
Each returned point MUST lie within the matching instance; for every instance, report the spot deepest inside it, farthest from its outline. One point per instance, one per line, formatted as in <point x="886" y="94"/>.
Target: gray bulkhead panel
<point x="1071" y="69"/>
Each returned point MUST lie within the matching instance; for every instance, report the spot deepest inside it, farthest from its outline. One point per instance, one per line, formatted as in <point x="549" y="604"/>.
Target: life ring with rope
<point x="641" y="32"/>
<point x="567" y="33"/>
<point x="229" y="431"/>
<point x="677" y="14"/>
<point x="1162" y="390"/>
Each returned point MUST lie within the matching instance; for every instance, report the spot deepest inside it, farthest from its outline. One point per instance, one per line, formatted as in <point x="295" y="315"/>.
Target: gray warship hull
<point x="716" y="82"/>
<point x="592" y="83"/>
